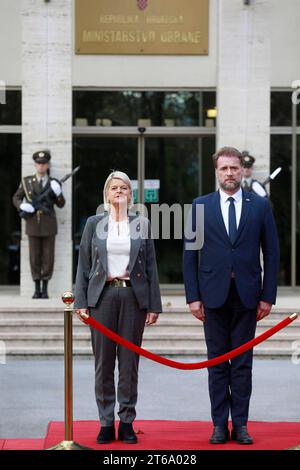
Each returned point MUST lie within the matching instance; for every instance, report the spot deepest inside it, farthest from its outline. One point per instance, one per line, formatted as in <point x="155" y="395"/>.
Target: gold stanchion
<point x="68" y="443"/>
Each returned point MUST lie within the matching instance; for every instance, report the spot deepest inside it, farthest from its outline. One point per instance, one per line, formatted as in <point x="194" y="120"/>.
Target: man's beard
<point x="232" y="185"/>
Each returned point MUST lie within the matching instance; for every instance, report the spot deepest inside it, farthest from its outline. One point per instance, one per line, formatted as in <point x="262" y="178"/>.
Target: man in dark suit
<point x="224" y="288"/>
<point x="41" y="225"/>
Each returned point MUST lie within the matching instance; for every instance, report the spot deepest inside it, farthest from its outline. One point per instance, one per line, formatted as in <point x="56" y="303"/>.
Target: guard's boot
<point x="44" y="294"/>
<point x="37" y="292"/>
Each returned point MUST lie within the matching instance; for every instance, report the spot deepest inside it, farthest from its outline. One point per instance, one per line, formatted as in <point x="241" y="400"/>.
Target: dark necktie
<point x="246" y="185"/>
<point x="41" y="185"/>
<point x="232" y="228"/>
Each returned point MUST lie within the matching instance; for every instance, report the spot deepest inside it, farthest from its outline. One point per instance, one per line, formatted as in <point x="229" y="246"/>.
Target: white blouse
<point x="118" y="249"/>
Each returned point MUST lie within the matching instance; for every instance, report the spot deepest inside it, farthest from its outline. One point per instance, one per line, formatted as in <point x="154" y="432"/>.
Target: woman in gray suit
<point x="117" y="284"/>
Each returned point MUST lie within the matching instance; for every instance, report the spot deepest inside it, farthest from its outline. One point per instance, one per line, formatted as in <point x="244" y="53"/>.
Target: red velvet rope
<point x="196" y="365"/>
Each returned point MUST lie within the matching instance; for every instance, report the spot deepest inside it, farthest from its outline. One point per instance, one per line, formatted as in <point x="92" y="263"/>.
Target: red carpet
<point x="166" y="435"/>
<point x="23" y="444"/>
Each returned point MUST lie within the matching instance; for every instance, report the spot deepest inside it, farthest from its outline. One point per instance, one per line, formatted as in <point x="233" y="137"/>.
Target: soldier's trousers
<point x="118" y="310"/>
<point x="41" y="255"/>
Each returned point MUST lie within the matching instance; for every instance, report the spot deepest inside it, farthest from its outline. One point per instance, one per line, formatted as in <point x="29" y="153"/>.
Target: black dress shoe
<point x="106" y="435"/>
<point x="126" y="433"/>
<point x="220" y="435"/>
<point x="240" y="435"/>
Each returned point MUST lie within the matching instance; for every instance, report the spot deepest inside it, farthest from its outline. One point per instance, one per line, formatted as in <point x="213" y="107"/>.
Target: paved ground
<point x="32" y="393"/>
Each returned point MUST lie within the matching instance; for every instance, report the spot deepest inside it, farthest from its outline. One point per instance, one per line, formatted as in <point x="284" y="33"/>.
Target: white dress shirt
<point x="238" y="198"/>
<point x="43" y="179"/>
<point x="118" y="249"/>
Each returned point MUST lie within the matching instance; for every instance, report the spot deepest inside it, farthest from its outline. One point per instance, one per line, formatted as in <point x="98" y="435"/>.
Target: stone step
<point x="185" y="325"/>
<point x="181" y="318"/>
<point x="198" y="354"/>
<point x="168" y="314"/>
<point x="39" y="331"/>
<point x="158" y="339"/>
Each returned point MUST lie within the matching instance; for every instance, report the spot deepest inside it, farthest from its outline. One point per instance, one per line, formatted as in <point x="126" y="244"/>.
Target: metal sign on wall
<point x="141" y="27"/>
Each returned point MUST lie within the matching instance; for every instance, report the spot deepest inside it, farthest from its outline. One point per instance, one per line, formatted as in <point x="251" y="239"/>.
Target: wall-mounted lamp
<point x="211" y="113"/>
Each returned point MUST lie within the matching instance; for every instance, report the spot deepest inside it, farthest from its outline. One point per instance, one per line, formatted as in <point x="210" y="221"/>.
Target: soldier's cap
<point x="248" y="160"/>
<point x="43" y="156"/>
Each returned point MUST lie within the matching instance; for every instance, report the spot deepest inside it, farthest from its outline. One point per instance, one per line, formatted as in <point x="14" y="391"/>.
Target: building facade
<point x="157" y="117"/>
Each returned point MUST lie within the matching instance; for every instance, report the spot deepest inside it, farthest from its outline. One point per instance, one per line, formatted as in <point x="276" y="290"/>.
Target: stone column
<point x="243" y="99"/>
<point x="47" y="119"/>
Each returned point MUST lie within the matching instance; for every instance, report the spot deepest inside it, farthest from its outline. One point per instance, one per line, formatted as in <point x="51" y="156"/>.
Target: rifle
<point x="41" y="201"/>
<point x="272" y="176"/>
<point x="260" y="188"/>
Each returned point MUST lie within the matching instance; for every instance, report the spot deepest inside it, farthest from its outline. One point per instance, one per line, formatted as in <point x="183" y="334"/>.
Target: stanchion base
<point x="294" y="448"/>
<point x="69" y="445"/>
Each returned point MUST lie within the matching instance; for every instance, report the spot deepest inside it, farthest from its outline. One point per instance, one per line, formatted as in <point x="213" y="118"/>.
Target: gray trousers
<point x="118" y="310"/>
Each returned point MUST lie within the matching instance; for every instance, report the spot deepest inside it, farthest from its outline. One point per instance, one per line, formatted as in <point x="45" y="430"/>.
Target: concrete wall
<point x="150" y="71"/>
<point x="243" y="99"/>
<point x="159" y="71"/>
<point x="10" y="42"/>
<point x="285" y="42"/>
<point x="47" y="117"/>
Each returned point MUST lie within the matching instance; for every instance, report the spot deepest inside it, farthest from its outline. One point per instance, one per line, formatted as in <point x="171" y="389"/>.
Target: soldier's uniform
<point x="251" y="184"/>
<point x="41" y="226"/>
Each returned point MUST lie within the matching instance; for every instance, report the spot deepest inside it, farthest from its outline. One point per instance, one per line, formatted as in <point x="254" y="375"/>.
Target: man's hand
<point x="151" y="318"/>
<point x="79" y="311"/>
<point x="263" y="310"/>
<point x="26" y="207"/>
<point x="197" y="309"/>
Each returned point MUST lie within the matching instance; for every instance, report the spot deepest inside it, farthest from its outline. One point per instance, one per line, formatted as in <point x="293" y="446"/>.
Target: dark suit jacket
<point x="42" y="224"/>
<point x="92" y="263"/>
<point x="207" y="273"/>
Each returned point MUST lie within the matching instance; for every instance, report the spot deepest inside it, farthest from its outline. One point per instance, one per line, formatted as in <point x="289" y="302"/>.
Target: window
<point x="10" y="113"/>
<point x="143" y="108"/>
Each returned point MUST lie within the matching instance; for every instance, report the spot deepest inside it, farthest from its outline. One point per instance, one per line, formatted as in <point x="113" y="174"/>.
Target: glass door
<point x="10" y="233"/>
<point x="184" y="168"/>
<point x="167" y="136"/>
<point x="97" y="158"/>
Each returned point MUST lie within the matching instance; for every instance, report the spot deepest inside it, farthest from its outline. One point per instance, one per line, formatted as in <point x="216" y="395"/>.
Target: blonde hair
<point x="121" y="176"/>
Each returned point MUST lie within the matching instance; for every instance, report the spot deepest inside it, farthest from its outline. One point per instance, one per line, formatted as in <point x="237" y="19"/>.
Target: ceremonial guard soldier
<point x="249" y="183"/>
<point x="35" y="199"/>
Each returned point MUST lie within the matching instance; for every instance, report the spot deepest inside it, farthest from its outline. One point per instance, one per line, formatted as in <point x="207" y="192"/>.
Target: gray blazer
<point x="92" y="263"/>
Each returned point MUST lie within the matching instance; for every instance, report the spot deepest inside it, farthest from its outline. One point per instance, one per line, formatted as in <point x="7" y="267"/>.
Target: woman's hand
<point x="151" y="318"/>
<point x="79" y="311"/>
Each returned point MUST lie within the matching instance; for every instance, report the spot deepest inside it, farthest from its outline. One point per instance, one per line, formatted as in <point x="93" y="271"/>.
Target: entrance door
<point x="182" y="165"/>
<point x="97" y="158"/>
<point x="165" y="135"/>
<point x="184" y="169"/>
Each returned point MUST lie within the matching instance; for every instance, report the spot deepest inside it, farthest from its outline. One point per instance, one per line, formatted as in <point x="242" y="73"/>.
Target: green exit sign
<point x="151" y="190"/>
<point x="150" y="195"/>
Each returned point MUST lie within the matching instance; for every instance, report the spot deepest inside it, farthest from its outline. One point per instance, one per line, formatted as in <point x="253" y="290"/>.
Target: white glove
<point x="26" y="207"/>
<point x="259" y="189"/>
<point x="56" y="187"/>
